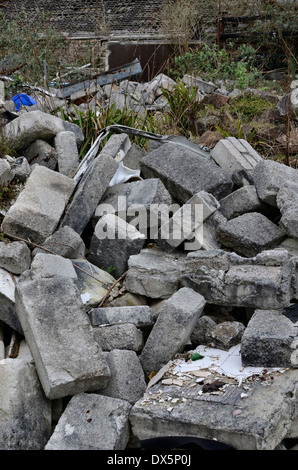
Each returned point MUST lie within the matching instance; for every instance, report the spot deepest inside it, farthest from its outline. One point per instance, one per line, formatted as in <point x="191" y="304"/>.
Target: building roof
<point x="91" y="16"/>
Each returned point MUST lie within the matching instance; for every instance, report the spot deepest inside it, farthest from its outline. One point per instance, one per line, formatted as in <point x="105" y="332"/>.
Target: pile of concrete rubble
<point x="106" y="341"/>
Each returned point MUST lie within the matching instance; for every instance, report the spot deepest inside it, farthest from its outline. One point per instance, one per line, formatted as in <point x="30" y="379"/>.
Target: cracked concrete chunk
<point x="57" y="331"/>
<point x="92" y="422"/>
<point x="38" y="208"/>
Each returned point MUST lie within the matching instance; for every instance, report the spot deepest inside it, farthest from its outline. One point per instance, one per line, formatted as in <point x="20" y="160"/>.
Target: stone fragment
<point x="35" y="125"/>
<point x="288" y="103"/>
<point x="199" y="173"/>
<point x="202" y="329"/>
<point x="25" y="412"/>
<point x="88" y="193"/>
<point x="92" y="422"/>
<point x="237" y="157"/>
<point x="56" y="329"/>
<point x="15" y="257"/>
<point x="42" y="153"/>
<point x="67" y="153"/>
<point x="113" y="242"/>
<point x="270" y="176"/>
<point x="153" y="273"/>
<point x="250" y="233"/>
<point x="141" y="316"/>
<point x="22" y="169"/>
<point x="64" y="242"/>
<point x="286" y="201"/>
<point x="202" y="85"/>
<point x="39" y="206"/>
<point x="133" y="156"/>
<point x="7" y="299"/>
<point x="176" y="319"/>
<point x="6" y="173"/>
<point x="225" y="335"/>
<point x="119" y="336"/>
<point x="270" y="340"/>
<point x="127" y="376"/>
<point x="116" y="147"/>
<point x="239" y="202"/>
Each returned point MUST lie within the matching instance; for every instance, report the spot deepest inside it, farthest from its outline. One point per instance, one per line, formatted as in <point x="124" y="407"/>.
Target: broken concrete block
<point x="142" y="202"/>
<point x="22" y="169"/>
<point x="250" y="233"/>
<point x="25" y="412"/>
<point x="176" y="319"/>
<point x="140" y="316"/>
<point x="88" y="193"/>
<point x="270" y="176"/>
<point x="202" y="85"/>
<point x="240" y="282"/>
<point x="34" y="125"/>
<point x="286" y="201"/>
<point x="45" y="265"/>
<point x="199" y="173"/>
<point x="57" y="331"/>
<point x="288" y="103"/>
<point x="15" y="257"/>
<point x="64" y="242"/>
<point x="218" y="402"/>
<point x="42" y="153"/>
<point x="39" y="206"/>
<point x="7" y="298"/>
<point x="93" y="283"/>
<point x="127" y="376"/>
<point x="186" y="222"/>
<point x="113" y="242"/>
<point x="270" y="340"/>
<point x="237" y="157"/>
<point x="67" y="153"/>
<point x="209" y="234"/>
<point x="92" y="422"/>
<point x="153" y="273"/>
<point x="119" y="336"/>
<point x="6" y="173"/>
<point x="239" y="202"/>
<point x="202" y="329"/>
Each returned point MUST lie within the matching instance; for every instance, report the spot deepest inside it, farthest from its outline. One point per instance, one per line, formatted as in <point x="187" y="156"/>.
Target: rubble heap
<point x="108" y="341"/>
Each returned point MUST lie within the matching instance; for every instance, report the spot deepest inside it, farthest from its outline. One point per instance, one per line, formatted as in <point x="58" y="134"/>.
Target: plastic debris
<point x="196" y="357"/>
<point x="22" y="99"/>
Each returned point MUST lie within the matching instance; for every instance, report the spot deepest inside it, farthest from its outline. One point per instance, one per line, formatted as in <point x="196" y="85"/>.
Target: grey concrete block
<point x="240" y="201"/>
<point x="64" y="242"/>
<point x="176" y="319"/>
<point x="6" y="173"/>
<point x="34" y="125"/>
<point x="67" y="153"/>
<point x="237" y="157"/>
<point x="15" y="256"/>
<point x="270" y="340"/>
<point x="133" y="156"/>
<point x="119" y="336"/>
<point x="127" y="376"/>
<point x="116" y="147"/>
<point x="270" y="176"/>
<point x="140" y="316"/>
<point x="42" y="153"/>
<point x="88" y="193"/>
<point x="113" y="242"/>
<point x="199" y="173"/>
<point x="57" y="331"/>
<point x="153" y="273"/>
<point x="46" y="265"/>
<point x="225" y="335"/>
<point x="39" y="207"/>
<point x="7" y="299"/>
<point x="25" y="412"/>
<point x="250" y="233"/>
<point x="92" y="422"/>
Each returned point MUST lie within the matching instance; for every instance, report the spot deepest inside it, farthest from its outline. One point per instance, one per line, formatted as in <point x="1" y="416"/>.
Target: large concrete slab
<point x="57" y="331"/>
<point x="248" y="409"/>
<point x="37" y="211"/>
